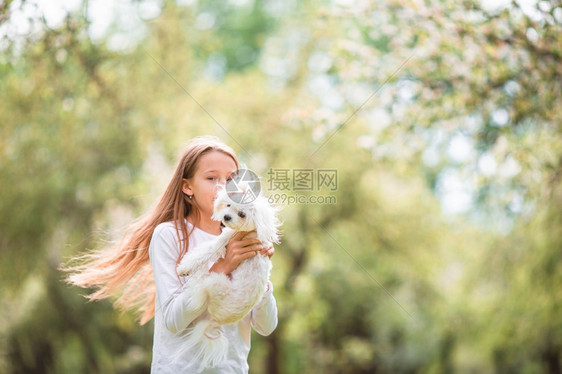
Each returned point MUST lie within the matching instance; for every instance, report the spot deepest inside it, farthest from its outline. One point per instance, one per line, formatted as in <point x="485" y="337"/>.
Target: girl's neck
<point x="206" y="224"/>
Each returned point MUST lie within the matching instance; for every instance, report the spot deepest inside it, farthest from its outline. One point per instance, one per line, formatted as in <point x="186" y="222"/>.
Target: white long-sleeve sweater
<point x="174" y="313"/>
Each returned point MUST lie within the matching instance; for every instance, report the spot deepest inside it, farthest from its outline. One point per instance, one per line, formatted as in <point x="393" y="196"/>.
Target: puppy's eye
<point x="228" y="205"/>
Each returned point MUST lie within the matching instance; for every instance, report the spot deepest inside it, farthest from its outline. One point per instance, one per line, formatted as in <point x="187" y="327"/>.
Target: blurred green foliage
<point x="418" y="106"/>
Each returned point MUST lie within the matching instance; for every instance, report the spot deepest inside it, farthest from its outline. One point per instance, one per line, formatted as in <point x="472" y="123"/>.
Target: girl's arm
<point x="179" y="305"/>
<point x="264" y="315"/>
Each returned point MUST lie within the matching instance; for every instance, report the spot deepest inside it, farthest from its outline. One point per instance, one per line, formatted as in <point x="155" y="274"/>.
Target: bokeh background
<point x="442" y="250"/>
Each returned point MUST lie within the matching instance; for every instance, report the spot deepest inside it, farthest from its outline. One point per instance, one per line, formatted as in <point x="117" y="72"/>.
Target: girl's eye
<point x="210" y="178"/>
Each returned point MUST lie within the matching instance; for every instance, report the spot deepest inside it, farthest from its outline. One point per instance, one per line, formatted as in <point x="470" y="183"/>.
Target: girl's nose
<point x="221" y="184"/>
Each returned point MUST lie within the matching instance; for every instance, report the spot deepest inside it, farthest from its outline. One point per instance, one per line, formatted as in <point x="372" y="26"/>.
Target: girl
<point x="141" y="270"/>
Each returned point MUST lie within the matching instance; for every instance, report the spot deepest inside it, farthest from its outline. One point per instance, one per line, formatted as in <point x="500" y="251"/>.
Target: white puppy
<point x="228" y="299"/>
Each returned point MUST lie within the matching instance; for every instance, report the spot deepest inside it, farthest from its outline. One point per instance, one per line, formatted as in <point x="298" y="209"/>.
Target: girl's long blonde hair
<point x="123" y="270"/>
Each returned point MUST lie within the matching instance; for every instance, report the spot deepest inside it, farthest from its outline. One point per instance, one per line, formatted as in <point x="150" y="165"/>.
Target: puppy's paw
<point x="186" y="266"/>
<point x="198" y="298"/>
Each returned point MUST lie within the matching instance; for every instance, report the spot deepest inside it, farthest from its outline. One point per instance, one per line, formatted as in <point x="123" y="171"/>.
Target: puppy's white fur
<point x="228" y="299"/>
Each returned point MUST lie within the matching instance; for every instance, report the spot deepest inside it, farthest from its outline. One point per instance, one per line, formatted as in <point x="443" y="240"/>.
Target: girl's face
<point x="213" y="168"/>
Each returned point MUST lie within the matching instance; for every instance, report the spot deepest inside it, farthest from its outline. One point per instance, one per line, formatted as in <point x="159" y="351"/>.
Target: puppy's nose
<point x="227" y="217"/>
<point x="241" y="214"/>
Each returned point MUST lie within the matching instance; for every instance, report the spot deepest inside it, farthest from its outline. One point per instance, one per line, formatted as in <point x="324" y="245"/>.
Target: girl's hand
<point x="268" y="251"/>
<point x="238" y="249"/>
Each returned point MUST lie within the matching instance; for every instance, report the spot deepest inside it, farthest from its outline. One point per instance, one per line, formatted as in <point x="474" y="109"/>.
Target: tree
<point x="399" y="98"/>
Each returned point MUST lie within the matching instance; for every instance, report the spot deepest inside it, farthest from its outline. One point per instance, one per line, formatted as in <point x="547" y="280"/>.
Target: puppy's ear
<point x="266" y="221"/>
<point x="218" y="207"/>
<point x="219" y="204"/>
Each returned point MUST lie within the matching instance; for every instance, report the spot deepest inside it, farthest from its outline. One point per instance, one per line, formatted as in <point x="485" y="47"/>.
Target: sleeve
<point x="264" y="315"/>
<point x="172" y="298"/>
